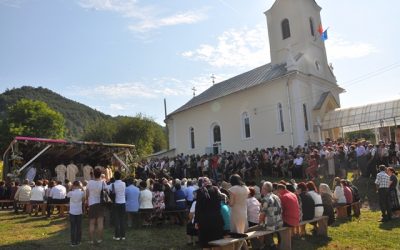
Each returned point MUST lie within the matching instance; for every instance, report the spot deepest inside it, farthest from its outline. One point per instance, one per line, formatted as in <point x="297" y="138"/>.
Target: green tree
<point x="34" y="118"/>
<point x="143" y="132"/>
<point x="101" y="131"/>
<point x="366" y="134"/>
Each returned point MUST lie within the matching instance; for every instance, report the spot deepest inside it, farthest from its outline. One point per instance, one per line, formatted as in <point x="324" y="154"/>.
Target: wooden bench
<point x="256" y="232"/>
<point x="39" y="207"/>
<point x="178" y="214"/>
<point x="322" y="225"/>
<point x="25" y="205"/>
<point x="61" y="208"/>
<point x="341" y="211"/>
<point x="7" y="203"/>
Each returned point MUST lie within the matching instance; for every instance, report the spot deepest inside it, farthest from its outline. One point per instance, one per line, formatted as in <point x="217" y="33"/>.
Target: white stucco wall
<point x="259" y="102"/>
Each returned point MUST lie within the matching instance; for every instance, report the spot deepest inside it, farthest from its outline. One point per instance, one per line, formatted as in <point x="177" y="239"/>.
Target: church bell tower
<point x="293" y="29"/>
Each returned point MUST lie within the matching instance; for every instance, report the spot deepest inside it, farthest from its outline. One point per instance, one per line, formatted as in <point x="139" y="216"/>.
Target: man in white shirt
<point x="87" y="172"/>
<point x="72" y="171"/>
<point x="118" y="188"/>
<point x="76" y="197"/>
<point x="61" y="169"/>
<point x="57" y="195"/>
<point x="298" y="166"/>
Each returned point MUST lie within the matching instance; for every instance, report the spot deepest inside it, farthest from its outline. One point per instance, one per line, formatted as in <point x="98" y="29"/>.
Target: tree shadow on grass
<point x="27" y="233"/>
<point x="310" y="242"/>
<point x="368" y="194"/>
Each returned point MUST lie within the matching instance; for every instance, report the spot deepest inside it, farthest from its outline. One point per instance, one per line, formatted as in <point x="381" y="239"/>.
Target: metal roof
<point x="235" y="84"/>
<point x="364" y="117"/>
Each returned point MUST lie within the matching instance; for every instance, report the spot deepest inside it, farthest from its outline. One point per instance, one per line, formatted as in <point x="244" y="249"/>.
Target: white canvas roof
<point x="364" y="117"/>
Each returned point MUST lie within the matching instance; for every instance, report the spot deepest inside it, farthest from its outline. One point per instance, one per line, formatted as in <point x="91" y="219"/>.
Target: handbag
<point x="105" y="198"/>
<point x="112" y="193"/>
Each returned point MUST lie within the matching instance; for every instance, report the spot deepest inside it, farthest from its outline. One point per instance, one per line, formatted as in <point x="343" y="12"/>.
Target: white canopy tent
<point x="370" y="116"/>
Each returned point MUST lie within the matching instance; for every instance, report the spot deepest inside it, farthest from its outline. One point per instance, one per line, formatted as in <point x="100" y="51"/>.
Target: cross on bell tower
<point x="194" y="91"/>
<point x="213" y="78"/>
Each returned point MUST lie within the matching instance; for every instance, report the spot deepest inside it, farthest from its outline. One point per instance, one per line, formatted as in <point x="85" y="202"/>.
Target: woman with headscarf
<point x="208" y="219"/>
<point x="393" y="189"/>
<point x="327" y="202"/>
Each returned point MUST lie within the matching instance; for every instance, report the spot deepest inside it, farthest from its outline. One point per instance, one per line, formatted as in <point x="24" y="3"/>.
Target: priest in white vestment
<point x="61" y="169"/>
<point x="72" y="171"/>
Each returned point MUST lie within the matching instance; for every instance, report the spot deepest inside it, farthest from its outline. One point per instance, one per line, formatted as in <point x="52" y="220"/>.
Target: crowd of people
<point x="333" y="158"/>
<point x="219" y="192"/>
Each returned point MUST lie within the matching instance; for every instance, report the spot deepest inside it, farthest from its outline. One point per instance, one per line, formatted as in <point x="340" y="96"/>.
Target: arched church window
<point x="217" y="133"/>
<point x="281" y="124"/>
<point x="305" y="117"/>
<point x="285" y="28"/>
<point x="312" y="29"/>
<point x="191" y="136"/>
<point x="246" y="125"/>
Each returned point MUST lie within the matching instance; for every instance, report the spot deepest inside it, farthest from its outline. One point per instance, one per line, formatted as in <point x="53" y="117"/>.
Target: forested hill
<point x="77" y="116"/>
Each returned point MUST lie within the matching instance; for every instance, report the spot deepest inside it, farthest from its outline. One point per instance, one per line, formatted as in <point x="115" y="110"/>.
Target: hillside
<point x="77" y="116"/>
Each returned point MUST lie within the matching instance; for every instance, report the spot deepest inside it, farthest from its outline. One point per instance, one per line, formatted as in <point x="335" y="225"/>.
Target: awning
<point x="363" y="117"/>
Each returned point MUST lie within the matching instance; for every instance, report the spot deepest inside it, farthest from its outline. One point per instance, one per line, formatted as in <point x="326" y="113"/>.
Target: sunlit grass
<point x="24" y="232"/>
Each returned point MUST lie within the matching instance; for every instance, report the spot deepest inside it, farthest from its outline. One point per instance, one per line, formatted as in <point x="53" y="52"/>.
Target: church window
<point x="191" y="134"/>
<point x="305" y="117"/>
<point x="217" y="133"/>
<point x="246" y="125"/>
<point x="285" y="28"/>
<point x="312" y="29"/>
<point x="281" y="124"/>
<point x="317" y="65"/>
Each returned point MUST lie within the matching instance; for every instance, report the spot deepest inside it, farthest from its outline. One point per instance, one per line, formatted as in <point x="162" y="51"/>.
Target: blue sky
<point x="123" y="57"/>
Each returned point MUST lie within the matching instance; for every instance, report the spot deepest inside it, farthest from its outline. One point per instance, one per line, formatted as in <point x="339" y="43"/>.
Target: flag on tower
<point x="320" y="30"/>
<point x="324" y="35"/>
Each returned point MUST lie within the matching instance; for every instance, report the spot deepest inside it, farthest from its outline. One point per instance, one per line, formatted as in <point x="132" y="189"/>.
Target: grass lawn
<point x="25" y="232"/>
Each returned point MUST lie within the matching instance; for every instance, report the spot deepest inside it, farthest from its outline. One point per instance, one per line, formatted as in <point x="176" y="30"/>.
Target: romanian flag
<point x="322" y="33"/>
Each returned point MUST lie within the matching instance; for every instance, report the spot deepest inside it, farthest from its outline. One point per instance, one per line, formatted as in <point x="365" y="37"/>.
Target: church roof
<point x="322" y="100"/>
<point x="252" y="78"/>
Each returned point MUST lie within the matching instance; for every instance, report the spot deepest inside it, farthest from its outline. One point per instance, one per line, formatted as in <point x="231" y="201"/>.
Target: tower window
<point x="317" y="65"/>
<point x="280" y="117"/>
<point x="285" y="28"/>
<point x="312" y="29"/>
<point x="191" y="134"/>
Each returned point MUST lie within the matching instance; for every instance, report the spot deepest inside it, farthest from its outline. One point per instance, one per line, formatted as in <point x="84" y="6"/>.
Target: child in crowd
<point x="76" y="197"/>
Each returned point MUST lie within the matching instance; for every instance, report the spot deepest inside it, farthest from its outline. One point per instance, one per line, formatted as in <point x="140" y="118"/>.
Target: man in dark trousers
<point x="382" y="184"/>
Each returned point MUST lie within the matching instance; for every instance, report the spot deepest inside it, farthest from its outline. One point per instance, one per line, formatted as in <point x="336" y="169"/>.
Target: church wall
<point x="301" y="94"/>
<point x="259" y="102"/>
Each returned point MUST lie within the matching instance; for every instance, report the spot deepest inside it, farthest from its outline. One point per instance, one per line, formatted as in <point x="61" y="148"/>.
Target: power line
<point x="354" y="81"/>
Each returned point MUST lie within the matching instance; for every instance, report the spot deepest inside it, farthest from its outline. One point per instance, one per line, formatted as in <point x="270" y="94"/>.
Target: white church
<point x="280" y="103"/>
